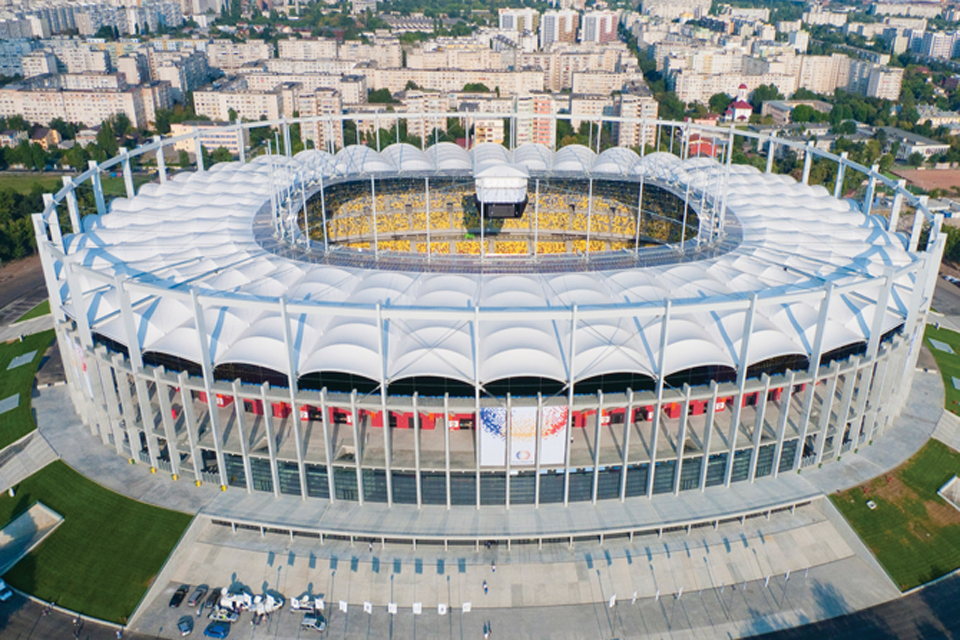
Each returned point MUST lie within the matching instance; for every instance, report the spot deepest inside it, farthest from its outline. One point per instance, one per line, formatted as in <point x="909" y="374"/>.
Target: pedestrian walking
<point x="493" y="567"/>
<point x="485" y="588"/>
<point x="371" y="546"/>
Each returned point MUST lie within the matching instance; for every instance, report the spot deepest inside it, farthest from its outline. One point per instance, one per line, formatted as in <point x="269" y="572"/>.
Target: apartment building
<point x="599" y="26"/>
<point x="227" y="55"/>
<point x="558" y="26"/>
<point x="321" y="135"/>
<point x="42" y="105"/>
<point x="38" y="63"/>
<point x="81" y="58"/>
<point x="672" y="9"/>
<point x="585" y="107"/>
<point x="519" y="20"/>
<point x="534" y="121"/>
<point x="213" y="135"/>
<point x="635" y="105"/>
<point x="423" y="102"/>
<point x="817" y="15"/>
<point x="508" y="82"/>
<point x="185" y="70"/>
<point x="351" y="89"/>
<point x="600" y="82"/>
<point x="307" y="49"/>
<point x="216" y="102"/>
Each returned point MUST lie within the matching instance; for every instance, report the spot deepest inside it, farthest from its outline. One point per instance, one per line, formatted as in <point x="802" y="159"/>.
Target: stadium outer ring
<point x="110" y="410"/>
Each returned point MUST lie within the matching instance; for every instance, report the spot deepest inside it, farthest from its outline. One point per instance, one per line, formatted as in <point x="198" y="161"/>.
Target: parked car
<point x="5" y="592"/>
<point x="314" y="620"/>
<point x="179" y="595"/>
<point x="213" y="598"/>
<point x="217" y="629"/>
<point x="185" y="625"/>
<point x="197" y="596"/>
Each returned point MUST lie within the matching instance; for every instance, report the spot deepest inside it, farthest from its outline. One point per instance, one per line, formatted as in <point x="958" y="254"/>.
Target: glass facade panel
<point x="637" y="480"/>
<point x="375" y="486"/>
<point x="741" y="465"/>
<point x="716" y="468"/>
<point x="608" y="484"/>
<point x="404" y="487"/>
<point x="463" y="489"/>
<point x="289" y="476"/>
<point x="787" y="455"/>
<point x="433" y="488"/>
<point x="523" y="488"/>
<point x="493" y="488"/>
<point x="663" y="478"/>
<point x="345" y="483"/>
<point x="551" y="487"/>
<point x="581" y="486"/>
<point x="318" y="485"/>
<point x="765" y="460"/>
<point x="261" y="474"/>
<point x="236" y="475"/>
<point x="690" y="473"/>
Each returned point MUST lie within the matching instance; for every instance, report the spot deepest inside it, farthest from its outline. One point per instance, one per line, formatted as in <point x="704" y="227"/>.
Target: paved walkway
<point x="22" y="459"/>
<point x="26" y="328"/>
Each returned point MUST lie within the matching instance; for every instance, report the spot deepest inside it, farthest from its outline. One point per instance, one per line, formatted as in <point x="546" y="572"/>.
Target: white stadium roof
<point x="196" y="231"/>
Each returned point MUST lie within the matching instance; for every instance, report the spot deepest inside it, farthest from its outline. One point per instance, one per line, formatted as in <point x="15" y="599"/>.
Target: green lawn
<point x="104" y="555"/>
<point x="16" y="423"/>
<point x="949" y="364"/>
<point x="25" y="182"/>
<point x="913" y="532"/>
<point x="42" y="309"/>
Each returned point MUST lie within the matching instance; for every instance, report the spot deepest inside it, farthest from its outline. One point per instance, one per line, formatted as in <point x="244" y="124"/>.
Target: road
<point x="22" y="619"/>
<point x="22" y="287"/>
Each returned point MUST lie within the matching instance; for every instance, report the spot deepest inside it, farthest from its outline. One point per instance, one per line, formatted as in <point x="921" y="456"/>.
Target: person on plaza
<point x="485" y="588"/>
<point x="493" y="567"/>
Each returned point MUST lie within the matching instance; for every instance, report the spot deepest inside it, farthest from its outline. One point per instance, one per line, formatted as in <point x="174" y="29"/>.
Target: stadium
<point x="488" y="327"/>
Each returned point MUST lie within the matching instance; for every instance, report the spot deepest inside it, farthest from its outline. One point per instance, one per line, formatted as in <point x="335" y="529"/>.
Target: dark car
<point x="197" y="596"/>
<point x="185" y="625"/>
<point x="217" y="629"/>
<point x="178" y="596"/>
<point x="213" y="598"/>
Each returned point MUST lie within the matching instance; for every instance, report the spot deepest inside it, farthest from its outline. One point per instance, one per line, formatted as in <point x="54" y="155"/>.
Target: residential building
<point x="780" y="110"/>
<point x="11" y="138"/>
<point x="227" y="55"/>
<point x="519" y="20"/>
<point x="558" y="26"/>
<point x="636" y="105"/>
<point x="217" y="101"/>
<point x="674" y="9"/>
<point x="817" y="15"/>
<point x="912" y="9"/>
<point x="213" y="135"/>
<point x="326" y="135"/>
<point x="534" y="121"/>
<point x="585" y="107"/>
<point x="46" y="138"/>
<point x="423" y="102"/>
<point x="911" y="143"/>
<point x="599" y="26"/>
<point x="39" y="63"/>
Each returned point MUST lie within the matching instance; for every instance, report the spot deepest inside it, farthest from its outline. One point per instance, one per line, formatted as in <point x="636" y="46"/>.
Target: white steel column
<point x="97" y="187"/>
<point x="636" y="245"/>
<point x="508" y="427"/>
<point x="238" y="410"/>
<point x="596" y="446"/>
<point x="743" y="365"/>
<point x="323" y="214"/>
<point x="682" y="437"/>
<point x="356" y="443"/>
<point x="166" y="415"/>
<point x="127" y="407"/>
<point x="536" y="220"/>
<point x="871" y="188"/>
<point x="327" y="453"/>
<point x="198" y="149"/>
<point x="786" y="397"/>
<point x="72" y="204"/>
<point x="190" y="424"/>
<point x="381" y="352"/>
<point x="538" y="433"/>
<point x="813" y="370"/>
<point x="826" y="408"/>
<point x="293" y="374"/>
<point x="627" y="426"/>
<point x="843" y="415"/>
<point x="241" y="143"/>
<point x="271" y="443"/>
<point x="771" y="151"/>
<point x="841" y="167"/>
<point x="589" y="212"/>
<point x="373" y="207"/>
<point x="161" y="161"/>
<point x="571" y="377"/>
<point x="873" y="346"/>
<point x="708" y="433"/>
<point x="807" y="162"/>
<point x="758" y="426"/>
<point x="476" y="396"/>
<point x="897" y="206"/>
<point x="446" y="442"/>
<point x="661" y="369"/>
<point x="207" y="367"/>
<point x="416" y="446"/>
<point x="127" y="175"/>
<point x="110" y="399"/>
<point x="427" y="201"/>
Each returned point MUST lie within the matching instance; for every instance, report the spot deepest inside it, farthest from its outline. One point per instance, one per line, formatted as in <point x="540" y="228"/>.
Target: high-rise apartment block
<point x="558" y="26"/>
<point x="599" y="26"/>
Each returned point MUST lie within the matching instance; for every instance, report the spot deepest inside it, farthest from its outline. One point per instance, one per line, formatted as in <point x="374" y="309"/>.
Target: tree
<point x="67" y="130"/>
<point x="476" y="87"/>
<point x="121" y="124"/>
<point x="183" y="158"/>
<point x="719" y="102"/>
<point x="232" y="114"/>
<point x="762" y="94"/>
<point x="107" y="141"/>
<point x="915" y="159"/>
<point x="380" y="96"/>
<point x="411" y="85"/>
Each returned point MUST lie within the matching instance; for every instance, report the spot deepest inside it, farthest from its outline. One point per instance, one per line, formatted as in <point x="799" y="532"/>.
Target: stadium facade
<point x="355" y="327"/>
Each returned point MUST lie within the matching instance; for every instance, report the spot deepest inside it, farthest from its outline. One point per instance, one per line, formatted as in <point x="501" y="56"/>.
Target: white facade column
<point x="589" y="213"/>
<point x="871" y="188"/>
<point x="758" y="426"/>
<point x="826" y="409"/>
<point x="596" y="446"/>
<point x="207" y="366"/>
<point x="198" y="149"/>
<point x="127" y="406"/>
<point x="682" y="437"/>
<point x="918" y="220"/>
<point x="813" y="371"/>
<point x="538" y="433"/>
<point x="381" y="353"/>
<point x="571" y="378"/>
<point x="446" y="443"/>
<point x="271" y="443"/>
<point x="708" y="433"/>
<point x="72" y="208"/>
<point x="508" y="426"/>
<point x="771" y="151"/>
<point x="110" y="399"/>
<point x="661" y="374"/>
<point x="897" y="206"/>
<point x="807" y="162"/>
<point x="743" y="364"/>
<point x="190" y="424"/>
<point x="293" y="376"/>
<point x="787" y="395"/>
<point x="843" y="415"/>
<point x="841" y="168"/>
<point x="238" y="411"/>
<point x="627" y="427"/>
<point x="161" y="161"/>
<point x="327" y="452"/>
<point x="476" y="397"/>
<point x="356" y="442"/>
<point x="166" y="415"/>
<point x="97" y="188"/>
<point x="127" y="174"/>
<point x="53" y="221"/>
<point x="287" y="149"/>
<point x="416" y="443"/>
<point x="241" y="143"/>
